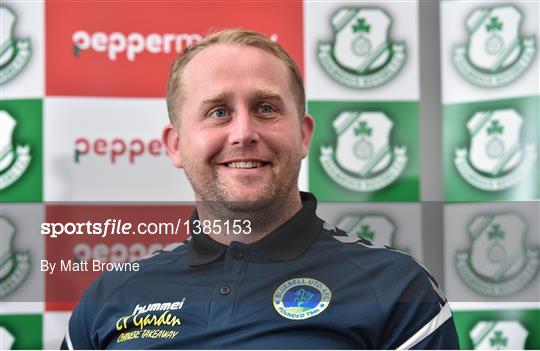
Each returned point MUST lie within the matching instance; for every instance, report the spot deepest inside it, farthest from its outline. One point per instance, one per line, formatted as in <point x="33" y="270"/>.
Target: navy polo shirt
<point x="306" y="285"/>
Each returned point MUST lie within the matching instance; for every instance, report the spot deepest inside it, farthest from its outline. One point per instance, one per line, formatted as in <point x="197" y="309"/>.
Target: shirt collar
<point x="287" y="242"/>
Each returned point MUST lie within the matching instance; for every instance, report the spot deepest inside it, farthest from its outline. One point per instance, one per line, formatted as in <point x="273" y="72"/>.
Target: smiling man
<point x="289" y="280"/>
<point x="239" y="130"/>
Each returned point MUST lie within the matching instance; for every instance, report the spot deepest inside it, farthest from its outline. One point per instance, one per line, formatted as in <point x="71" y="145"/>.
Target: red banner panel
<point x="124" y="49"/>
<point x="83" y="241"/>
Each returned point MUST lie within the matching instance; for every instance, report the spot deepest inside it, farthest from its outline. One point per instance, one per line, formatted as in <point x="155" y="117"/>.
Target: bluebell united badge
<point x="301" y="298"/>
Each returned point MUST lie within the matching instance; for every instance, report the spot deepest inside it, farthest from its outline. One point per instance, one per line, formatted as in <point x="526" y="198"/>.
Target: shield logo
<point x="362" y="54"/>
<point x="14" y="266"/>
<point x="14" y="53"/>
<point x="7" y="18"/>
<point x="498" y="250"/>
<point x="7" y="232"/>
<point x="498" y="335"/>
<point x="498" y="263"/>
<point x="376" y="228"/>
<point x="363" y="141"/>
<point x="496" y="53"/>
<point x="6" y="339"/>
<point x="494" y="41"/>
<point x="7" y="125"/>
<point x="13" y="161"/>
<point x="495" y="144"/>
<point x="361" y="38"/>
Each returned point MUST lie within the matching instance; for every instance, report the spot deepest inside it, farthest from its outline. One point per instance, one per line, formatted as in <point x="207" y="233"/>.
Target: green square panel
<point x="491" y="150"/>
<point x="21" y="158"/>
<point x="22" y="331"/>
<point x="364" y="151"/>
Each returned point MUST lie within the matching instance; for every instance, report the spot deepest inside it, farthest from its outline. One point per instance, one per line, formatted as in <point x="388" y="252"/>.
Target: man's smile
<point x="245" y="166"/>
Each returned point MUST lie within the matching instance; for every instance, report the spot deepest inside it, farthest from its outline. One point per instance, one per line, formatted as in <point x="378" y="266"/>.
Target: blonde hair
<point x="232" y="36"/>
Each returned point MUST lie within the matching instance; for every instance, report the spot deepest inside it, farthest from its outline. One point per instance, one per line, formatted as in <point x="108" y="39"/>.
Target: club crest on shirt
<point x="301" y="298"/>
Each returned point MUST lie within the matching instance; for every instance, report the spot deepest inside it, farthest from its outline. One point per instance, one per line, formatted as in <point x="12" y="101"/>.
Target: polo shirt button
<point x="224" y="290"/>
<point x="237" y="253"/>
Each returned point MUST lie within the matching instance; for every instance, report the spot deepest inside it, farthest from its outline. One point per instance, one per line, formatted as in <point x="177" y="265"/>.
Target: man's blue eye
<point x="220" y="113"/>
<point x="267" y="109"/>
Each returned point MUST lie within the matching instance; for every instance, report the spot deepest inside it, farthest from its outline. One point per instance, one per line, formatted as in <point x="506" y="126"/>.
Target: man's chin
<point x="246" y="201"/>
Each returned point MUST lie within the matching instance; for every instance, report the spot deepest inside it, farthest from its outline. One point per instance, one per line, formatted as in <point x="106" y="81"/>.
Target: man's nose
<point x="244" y="130"/>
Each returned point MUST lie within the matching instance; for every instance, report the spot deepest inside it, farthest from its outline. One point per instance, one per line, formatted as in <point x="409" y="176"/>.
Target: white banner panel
<point x="100" y="149"/>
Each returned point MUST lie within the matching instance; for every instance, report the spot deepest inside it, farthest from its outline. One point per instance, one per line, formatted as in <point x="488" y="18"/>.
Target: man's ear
<point x="307" y="126"/>
<point x="171" y="140"/>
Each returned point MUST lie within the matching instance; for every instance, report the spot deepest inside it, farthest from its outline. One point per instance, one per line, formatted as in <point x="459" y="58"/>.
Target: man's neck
<point x="261" y="222"/>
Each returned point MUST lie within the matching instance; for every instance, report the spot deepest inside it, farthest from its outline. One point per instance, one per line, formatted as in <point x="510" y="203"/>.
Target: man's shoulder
<point x="361" y="250"/>
<point x="382" y="264"/>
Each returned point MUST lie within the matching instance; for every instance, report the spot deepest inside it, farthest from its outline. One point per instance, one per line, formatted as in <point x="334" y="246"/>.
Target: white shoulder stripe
<point x="428" y="329"/>
<point x="68" y="339"/>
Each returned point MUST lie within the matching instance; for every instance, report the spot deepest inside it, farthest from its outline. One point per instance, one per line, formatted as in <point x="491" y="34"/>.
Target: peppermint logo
<point x="14" y="266"/>
<point x="361" y="55"/>
<point x="131" y="45"/>
<point x="498" y="263"/>
<point x="14" y="53"/>
<point x="496" y="160"/>
<point x="495" y="54"/>
<point x="117" y="149"/>
<point x="13" y="162"/>
<point x="495" y="335"/>
<point x="377" y="228"/>
<point x="363" y="159"/>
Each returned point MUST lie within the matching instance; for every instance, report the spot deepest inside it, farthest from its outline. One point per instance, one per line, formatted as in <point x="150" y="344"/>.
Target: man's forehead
<point x="228" y="60"/>
<point x="223" y="69"/>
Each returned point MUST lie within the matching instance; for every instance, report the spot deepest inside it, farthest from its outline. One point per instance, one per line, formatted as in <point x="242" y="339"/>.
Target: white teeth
<point x="244" y="164"/>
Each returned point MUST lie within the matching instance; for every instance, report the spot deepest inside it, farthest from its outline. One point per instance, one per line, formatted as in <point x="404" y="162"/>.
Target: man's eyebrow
<point x="215" y="99"/>
<point x="267" y="94"/>
<point x="257" y="94"/>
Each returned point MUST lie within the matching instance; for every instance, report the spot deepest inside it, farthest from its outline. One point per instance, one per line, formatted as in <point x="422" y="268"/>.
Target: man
<point x="288" y="280"/>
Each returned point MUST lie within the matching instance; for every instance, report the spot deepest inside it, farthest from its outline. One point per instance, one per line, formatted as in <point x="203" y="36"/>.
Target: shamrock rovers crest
<point x="14" y="266"/>
<point x="498" y="335"/>
<point x="376" y="228"/>
<point x="361" y="55"/>
<point x="496" y="160"/>
<point x="13" y="162"/>
<point x="498" y="263"/>
<point x="14" y="53"/>
<point x="363" y="159"/>
<point x="495" y="55"/>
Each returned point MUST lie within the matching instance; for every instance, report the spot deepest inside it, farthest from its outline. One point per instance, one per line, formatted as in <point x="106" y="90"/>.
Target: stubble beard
<point x="217" y="201"/>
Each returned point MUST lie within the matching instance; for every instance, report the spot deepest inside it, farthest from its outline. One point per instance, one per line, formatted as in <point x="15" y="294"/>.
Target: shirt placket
<point x="226" y="291"/>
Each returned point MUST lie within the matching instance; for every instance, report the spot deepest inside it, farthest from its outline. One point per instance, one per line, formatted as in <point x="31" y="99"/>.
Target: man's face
<point x="240" y="139"/>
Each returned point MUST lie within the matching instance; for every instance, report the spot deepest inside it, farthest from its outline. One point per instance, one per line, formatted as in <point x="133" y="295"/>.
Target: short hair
<point x="232" y="36"/>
